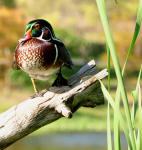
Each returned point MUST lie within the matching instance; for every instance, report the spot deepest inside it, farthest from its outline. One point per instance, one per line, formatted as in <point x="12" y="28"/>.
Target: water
<point x="65" y="141"/>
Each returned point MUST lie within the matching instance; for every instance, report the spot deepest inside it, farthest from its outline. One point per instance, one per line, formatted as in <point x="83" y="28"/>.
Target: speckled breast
<point x="37" y="57"/>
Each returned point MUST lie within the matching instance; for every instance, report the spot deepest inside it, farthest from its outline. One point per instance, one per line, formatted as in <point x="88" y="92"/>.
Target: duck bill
<point x="28" y="35"/>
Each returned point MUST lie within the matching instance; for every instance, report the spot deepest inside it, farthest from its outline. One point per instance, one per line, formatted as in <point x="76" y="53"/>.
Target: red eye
<point x="37" y="26"/>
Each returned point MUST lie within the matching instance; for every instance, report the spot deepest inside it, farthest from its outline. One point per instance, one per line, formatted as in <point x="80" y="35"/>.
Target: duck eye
<point x="37" y="26"/>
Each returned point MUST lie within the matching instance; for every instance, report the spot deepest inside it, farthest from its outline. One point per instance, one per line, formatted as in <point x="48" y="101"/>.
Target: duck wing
<point x="63" y="54"/>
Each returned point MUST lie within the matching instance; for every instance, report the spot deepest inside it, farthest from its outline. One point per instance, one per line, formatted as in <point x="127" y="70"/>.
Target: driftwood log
<point x="30" y="115"/>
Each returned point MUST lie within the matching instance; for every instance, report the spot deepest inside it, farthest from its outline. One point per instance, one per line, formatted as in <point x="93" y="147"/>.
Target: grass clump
<point x="133" y="140"/>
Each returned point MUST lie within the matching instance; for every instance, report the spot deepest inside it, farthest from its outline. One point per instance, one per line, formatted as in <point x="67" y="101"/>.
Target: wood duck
<point x="41" y="54"/>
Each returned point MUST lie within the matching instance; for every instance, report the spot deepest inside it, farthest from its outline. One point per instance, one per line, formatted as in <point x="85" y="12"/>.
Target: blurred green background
<point x="77" y="24"/>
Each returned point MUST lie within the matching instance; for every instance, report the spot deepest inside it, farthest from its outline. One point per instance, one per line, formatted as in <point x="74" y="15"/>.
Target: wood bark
<point x="31" y="114"/>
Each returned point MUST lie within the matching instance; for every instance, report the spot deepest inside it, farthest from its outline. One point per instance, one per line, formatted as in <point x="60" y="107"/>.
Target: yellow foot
<point x="37" y="95"/>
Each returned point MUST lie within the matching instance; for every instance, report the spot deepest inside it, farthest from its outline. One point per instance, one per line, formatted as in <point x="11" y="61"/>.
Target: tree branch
<point x="30" y="115"/>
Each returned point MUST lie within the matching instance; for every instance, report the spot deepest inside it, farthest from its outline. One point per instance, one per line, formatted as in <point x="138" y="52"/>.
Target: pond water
<point x="65" y="141"/>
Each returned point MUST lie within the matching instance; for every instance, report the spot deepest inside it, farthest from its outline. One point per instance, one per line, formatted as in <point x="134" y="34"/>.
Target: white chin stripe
<point x="56" y="54"/>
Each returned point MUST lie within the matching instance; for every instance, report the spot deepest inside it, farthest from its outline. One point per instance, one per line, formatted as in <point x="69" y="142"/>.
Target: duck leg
<point x="34" y="85"/>
<point x="60" y="80"/>
<point x="37" y="93"/>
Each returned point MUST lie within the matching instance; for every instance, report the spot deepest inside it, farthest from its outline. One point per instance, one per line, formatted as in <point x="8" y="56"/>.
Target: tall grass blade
<point x="104" y="20"/>
<point x="138" y="140"/>
<point x="117" y="144"/>
<point x="134" y="110"/>
<point x="136" y="94"/>
<point x="107" y="95"/>
<point x="137" y="29"/>
<point x="123" y="123"/>
<point x="140" y="120"/>
<point x="109" y="143"/>
<point x="137" y="97"/>
<point x="133" y="114"/>
<point x="108" y="66"/>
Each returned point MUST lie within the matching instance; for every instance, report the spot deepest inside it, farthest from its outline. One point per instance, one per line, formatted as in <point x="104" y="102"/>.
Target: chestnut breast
<point x="36" y="54"/>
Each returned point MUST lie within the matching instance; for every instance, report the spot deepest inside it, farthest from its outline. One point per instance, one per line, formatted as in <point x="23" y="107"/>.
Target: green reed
<point x="134" y="140"/>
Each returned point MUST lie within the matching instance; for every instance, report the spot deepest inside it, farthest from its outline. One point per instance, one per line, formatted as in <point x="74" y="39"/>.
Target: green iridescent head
<point x="35" y="28"/>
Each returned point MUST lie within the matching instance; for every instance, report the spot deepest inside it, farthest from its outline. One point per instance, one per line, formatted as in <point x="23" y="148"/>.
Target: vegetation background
<point x="77" y="24"/>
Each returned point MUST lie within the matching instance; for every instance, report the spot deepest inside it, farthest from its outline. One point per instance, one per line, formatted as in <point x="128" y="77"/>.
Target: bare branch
<point x="30" y="115"/>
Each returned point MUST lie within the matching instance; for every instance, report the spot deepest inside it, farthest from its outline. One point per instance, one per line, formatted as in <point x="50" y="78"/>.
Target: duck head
<point x="38" y="28"/>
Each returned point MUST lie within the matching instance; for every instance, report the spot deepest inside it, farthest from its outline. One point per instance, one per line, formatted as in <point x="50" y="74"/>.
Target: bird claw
<point x="37" y="95"/>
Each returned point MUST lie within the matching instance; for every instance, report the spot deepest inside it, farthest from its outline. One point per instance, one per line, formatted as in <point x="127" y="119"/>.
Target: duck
<point x="41" y="54"/>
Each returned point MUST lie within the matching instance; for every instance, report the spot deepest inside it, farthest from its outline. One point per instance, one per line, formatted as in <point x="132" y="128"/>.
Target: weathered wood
<point x="28" y="116"/>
